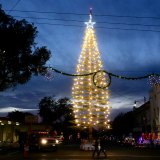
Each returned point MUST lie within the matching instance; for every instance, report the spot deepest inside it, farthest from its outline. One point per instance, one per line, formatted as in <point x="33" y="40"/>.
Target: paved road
<point x="72" y="152"/>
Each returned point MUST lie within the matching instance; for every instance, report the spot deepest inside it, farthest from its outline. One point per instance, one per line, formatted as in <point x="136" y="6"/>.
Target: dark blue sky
<point x="127" y="37"/>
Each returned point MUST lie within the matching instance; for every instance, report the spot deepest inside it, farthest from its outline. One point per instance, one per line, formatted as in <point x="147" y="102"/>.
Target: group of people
<point x="99" y="147"/>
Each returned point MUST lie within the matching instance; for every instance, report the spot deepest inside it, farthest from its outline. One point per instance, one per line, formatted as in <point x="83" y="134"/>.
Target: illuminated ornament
<point x="154" y="80"/>
<point x="49" y="74"/>
<point x="101" y="79"/>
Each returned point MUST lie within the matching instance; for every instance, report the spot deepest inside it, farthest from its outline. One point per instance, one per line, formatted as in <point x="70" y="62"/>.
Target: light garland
<point x="154" y="78"/>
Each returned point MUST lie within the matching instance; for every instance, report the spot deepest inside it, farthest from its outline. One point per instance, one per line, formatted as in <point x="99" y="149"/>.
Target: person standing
<point x="102" y="147"/>
<point x="96" y="147"/>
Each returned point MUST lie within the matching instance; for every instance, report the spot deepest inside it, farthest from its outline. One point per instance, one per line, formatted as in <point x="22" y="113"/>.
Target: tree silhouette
<point x="57" y="113"/>
<point x="123" y="124"/>
<point x="19" y="56"/>
<point x="18" y="116"/>
<point x="47" y="106"/>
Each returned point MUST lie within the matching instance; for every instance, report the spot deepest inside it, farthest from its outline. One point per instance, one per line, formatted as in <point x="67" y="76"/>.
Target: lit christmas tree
<point x="90" y="103"/>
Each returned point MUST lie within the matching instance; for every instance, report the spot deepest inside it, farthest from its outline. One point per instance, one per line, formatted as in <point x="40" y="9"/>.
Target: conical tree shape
<point x="90" y="103"/>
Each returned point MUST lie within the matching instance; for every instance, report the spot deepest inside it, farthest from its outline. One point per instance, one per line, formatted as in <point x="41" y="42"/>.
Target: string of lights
<point x="90" y="104"/>
<point x="154" y="78"/>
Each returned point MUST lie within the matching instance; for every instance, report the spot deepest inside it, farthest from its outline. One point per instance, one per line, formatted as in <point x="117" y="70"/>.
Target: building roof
<point x="142" y="108"/>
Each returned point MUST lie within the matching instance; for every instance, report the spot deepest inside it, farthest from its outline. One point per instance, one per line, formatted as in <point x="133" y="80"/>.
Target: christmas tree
<point x="90" y="103"/>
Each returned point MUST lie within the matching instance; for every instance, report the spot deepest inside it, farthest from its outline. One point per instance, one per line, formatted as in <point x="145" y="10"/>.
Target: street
<point x="72" y="152"/>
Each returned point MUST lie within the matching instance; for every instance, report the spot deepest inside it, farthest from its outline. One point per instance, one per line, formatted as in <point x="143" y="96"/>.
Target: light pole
<point x="140" y="100"/>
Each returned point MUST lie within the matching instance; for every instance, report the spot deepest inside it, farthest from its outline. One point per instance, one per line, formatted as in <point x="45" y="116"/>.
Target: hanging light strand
<point x="109" y="76"/>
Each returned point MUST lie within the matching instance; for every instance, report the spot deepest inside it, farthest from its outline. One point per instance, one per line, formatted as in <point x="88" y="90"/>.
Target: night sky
<point x="128" y="37"/>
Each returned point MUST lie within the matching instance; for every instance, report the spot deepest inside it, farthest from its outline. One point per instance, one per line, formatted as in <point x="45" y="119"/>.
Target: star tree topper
<point x="90" y="23"/>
